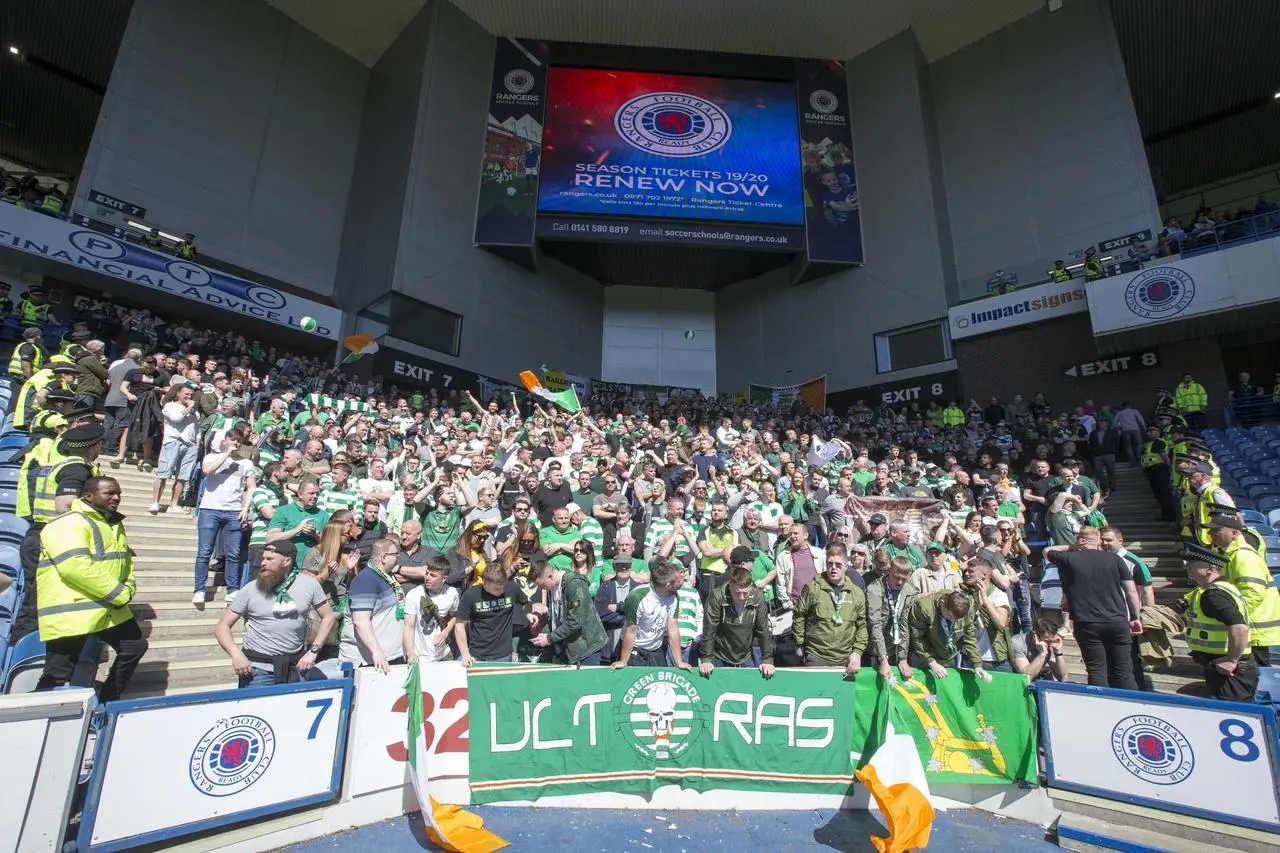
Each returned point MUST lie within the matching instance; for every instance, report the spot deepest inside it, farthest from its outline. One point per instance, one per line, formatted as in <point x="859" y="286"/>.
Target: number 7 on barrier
<point x="324" y="705"/>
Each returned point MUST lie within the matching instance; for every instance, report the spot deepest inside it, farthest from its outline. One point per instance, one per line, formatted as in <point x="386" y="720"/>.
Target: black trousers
<point x="1241" y="686"/>
<point x="1107" y="651"/>
<point x="1104" y="466"/>
<point x="29" y="558"/>
<point x="1139" y="674"/>
<point x="708" y="581"/>
<point x="115" y="423"/>
<point x="1162" y="488"/>
<point x="62" y="656"/>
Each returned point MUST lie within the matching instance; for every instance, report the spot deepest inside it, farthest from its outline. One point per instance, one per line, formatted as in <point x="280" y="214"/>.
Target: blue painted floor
<point x="625" y="831"/>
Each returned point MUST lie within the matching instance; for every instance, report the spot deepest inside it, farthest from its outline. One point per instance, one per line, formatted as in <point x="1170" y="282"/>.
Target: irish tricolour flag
<point x="566" y="399"/>
<point x="451" y="827"/>
<point x="895" y="778"/>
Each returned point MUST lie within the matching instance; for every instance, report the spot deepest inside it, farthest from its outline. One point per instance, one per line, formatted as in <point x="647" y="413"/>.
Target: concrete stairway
<point x="1133" y="509"/>
<point x="184" y="657"/>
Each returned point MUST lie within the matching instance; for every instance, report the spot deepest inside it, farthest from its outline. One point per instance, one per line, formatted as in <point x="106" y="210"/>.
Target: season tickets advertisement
<point x="621" y="143"/>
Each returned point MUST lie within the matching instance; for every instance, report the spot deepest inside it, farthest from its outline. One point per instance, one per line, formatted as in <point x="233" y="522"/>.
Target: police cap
<point x="81" y="437"/>
<point x="1194" y="552"/>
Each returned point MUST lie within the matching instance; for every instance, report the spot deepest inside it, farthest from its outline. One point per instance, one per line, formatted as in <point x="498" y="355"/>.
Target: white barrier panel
<point x="1213" y="760"/>
<point x="378" y="757"/>
<point x="174" y="766"/>
<point x="41" y="737"/>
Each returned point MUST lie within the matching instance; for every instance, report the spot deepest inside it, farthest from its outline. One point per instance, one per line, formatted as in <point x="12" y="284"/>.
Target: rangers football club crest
<point x="1152" y="749"/>
<point x="232" y="755"/>
<point x="1160" y="293"/>
<point x="673" y="124"/>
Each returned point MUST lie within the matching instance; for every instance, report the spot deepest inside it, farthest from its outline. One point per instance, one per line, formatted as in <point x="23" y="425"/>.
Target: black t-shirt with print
<point x="490" y="620"/>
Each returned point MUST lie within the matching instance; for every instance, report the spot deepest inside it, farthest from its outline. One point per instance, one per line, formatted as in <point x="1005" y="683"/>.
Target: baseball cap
<point x="283" y="547"/>
<point x="877" y="518"/>
<point x="935" y="546"/>
<point x="622" y="560"/>
<point x="572" y="507"/>
<point x="741" y="554"/>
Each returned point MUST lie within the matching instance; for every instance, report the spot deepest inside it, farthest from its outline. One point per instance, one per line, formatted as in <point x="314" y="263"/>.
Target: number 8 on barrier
<point x="1242" y="736"/>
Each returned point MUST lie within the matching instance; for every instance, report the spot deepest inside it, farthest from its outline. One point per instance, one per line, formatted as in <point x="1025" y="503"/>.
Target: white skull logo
<point x="661" y="701"/>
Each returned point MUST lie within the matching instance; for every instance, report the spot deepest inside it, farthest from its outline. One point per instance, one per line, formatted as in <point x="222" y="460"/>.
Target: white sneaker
<point x="197" y="597"/>
<point x="231" y="596"/>
<point x="153" y="509"/>
<point x="177" y="510"/>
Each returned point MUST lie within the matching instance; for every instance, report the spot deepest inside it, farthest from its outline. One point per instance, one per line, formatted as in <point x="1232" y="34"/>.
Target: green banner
<point x="965" y="731"/>
<point x="559" y="732"/>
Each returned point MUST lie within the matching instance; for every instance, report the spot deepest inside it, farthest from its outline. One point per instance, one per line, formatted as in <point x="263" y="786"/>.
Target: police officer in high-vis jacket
<point x="83" y="590"/>
<point x="33" y="308"/>
<point x="28" y="357"/>
<point x="1217" y="620"/>
<point x="69" y="465"/>
<point x="31" y="395"/>
<point x="1247" y="571"/>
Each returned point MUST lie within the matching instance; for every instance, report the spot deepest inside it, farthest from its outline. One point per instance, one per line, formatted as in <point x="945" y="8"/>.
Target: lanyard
<point x="395" y="587"/>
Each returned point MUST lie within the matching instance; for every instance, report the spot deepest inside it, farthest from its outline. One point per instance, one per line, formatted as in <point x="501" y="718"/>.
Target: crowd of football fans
<point x="353" y="523"/>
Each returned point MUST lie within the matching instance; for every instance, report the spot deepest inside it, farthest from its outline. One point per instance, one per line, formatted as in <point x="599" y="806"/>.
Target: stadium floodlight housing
<point x="13" y="48"/>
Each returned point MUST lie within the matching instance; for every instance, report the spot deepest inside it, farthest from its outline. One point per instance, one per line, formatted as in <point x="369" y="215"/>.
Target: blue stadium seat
<point x="1261" y="490"/>
<point x="8" y="500"/>
<point x="10" y="560"/>
<point x="8" y="478"/>
<point x="22" y="670"/>
<point x="12" y="529"/>
<point x="1254" y="516"/>
<point x="1235" y="470"/>
<point x="13" y="441"/>
<point x="1252" y="480"/>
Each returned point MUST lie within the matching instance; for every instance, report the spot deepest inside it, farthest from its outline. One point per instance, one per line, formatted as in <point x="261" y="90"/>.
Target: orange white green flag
<point x="895" y="778"/>
<point x="453" y="828"/>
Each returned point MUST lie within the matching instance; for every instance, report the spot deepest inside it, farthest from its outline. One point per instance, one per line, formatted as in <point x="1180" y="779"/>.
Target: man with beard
<point x="275" y="609"/>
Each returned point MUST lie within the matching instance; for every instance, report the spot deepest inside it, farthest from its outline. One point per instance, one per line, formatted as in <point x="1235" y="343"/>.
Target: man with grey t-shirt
<point x="115" y="406"/>
<point x="275" y="609"/>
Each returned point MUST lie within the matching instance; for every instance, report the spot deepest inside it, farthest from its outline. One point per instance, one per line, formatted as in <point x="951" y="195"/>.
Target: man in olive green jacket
<point x="888" y="602"/>
<point x="735" y="621"/>
<point x="575" y="630"/>
<point x="831" y="617"/>
<point x="940" y="625"/>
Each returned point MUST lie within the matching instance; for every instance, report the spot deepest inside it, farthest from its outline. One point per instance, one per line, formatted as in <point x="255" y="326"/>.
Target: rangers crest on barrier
<point x="232" y="755"/>
<point x="1152" y="749"/>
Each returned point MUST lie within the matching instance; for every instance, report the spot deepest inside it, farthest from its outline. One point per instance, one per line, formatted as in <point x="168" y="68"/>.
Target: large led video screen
<point x="671" y="147"/>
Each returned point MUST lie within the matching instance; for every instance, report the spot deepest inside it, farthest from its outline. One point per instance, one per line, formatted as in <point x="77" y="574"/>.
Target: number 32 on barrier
<point x="454" y="736"/>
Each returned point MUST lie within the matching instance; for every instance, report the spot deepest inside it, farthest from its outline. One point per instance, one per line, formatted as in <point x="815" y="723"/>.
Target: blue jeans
<point x="257" y="678"/>
<point x="219" y="525"/>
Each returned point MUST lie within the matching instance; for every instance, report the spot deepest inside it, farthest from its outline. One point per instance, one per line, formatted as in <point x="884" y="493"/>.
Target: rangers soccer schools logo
<point x="518" y="81"/>
<point x="673" y="124"/>
<point x="1152" y="749"/>
<point x="823" y="101"/>
<point x="232" y="755"/>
